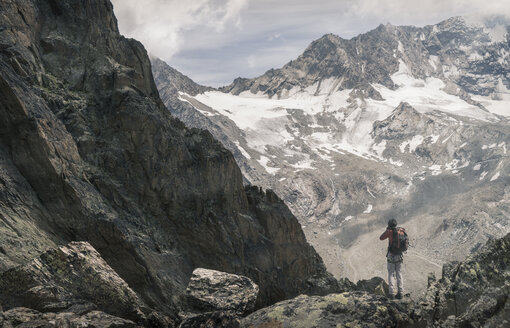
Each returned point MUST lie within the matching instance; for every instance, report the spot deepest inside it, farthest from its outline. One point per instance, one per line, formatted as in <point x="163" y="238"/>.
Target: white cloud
<point x="162" y="25"/>
<point x="419" y="12"/>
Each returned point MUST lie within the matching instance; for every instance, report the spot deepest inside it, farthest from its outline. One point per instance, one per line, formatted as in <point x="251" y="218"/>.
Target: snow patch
<point x="482" y="176"/>
<point x="368" y="210"/>
<point x="477" y="167"/>
<point x="436" y="169"/>
<point x="413" y="143"/>
<point x="434" y="138"/>
<point x="495" y="176"/>
<point x="426" y="95"/>
<point x="264" y="161"/>
<point x="242" y="150"/>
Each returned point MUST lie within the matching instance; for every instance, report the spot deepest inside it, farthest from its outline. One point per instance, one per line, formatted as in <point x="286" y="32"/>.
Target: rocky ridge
<point x="89" y="152"/>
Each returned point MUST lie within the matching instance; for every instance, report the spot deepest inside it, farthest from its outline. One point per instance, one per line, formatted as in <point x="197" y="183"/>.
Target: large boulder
<point x="210" y="290"/>
<point x="375" y="285"/>
<point x="69" y="278"/>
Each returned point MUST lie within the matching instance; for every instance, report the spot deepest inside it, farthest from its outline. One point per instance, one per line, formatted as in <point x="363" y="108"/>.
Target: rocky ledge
<point x="472" y="293"/>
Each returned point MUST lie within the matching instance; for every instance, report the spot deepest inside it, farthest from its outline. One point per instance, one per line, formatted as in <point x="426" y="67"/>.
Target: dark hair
<point x="392" y="223"/>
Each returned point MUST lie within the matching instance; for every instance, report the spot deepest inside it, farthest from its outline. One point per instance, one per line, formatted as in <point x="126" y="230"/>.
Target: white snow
<point x="348" y="218"/>
<point x="495" y="176"/>
<point x="477" y="167"/>
<point x="426" y="95"/>
<point x="413" y="143"/>
<point x="400" y="47"/>
<point x="434" y="138"/>
<point x="368" y="210"/>
<point x="436" y="169"/>
<point x="482" y="176"/>
<point x="434" y="61"/>
<point x="242" y="150"/>
<point x="264" y="161"/>
<point x="397" y="163"/>
<point x="499" y="103"/>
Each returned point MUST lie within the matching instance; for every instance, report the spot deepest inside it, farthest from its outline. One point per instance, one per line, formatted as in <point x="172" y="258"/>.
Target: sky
<point x="215" y="41"/>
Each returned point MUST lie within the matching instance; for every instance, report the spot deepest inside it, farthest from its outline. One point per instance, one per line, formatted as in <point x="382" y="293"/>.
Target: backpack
<point x="400" y="241"/>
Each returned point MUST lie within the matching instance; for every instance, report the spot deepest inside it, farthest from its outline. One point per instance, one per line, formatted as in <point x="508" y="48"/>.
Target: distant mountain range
<point x="402" y="122"/>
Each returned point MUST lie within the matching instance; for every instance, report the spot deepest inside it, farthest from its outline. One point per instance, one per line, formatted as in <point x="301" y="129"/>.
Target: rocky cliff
<point x="89" y="152"/>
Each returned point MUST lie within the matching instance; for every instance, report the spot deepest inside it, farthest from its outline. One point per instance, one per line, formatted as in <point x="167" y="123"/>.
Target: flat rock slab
<point x="210" y="290"/>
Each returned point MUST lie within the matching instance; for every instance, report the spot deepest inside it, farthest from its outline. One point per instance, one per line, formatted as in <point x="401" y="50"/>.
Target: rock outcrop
<point x="475" y="292"/>
<point x="472" y="293"/>
<point x="72" y="276"/>
<point x="210" y="290"/>
<point x="354" y="309"/>
<point x="89" y="152"/>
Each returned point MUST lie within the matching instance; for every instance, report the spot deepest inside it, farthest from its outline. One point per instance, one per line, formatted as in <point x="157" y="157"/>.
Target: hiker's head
<point x="392" y="223"/>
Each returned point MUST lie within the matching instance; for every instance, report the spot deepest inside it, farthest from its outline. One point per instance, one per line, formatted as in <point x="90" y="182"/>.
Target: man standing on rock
<point x="396" y="246"/>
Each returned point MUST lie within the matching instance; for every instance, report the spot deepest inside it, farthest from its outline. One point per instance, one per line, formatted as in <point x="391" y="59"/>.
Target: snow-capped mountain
<point x="404" y="122"/>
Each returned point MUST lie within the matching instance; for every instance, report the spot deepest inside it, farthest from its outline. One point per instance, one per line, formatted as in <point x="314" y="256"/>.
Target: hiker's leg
<point x="400" y="280"/>
<point x="391" y="278"/>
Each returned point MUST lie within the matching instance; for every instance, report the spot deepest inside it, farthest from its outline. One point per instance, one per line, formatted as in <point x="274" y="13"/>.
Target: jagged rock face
<point x="88" y="152"/>
<point x="475" y="292"/>
<point x="400" y="122"/>
<point x="67" y="277"/>
<point x="470" y="54"/>
<point x="210" y="290"/>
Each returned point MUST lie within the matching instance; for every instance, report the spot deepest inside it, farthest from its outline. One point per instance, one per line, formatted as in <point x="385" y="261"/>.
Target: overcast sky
<point x="215" y="41"/>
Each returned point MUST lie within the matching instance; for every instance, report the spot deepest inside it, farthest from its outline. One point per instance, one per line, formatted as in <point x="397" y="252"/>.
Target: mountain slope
<point x="89" y="152"/>
<point x="400" y="122"/>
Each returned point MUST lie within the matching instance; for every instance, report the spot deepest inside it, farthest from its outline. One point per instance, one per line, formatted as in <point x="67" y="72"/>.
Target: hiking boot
<point x="398" y="296"/>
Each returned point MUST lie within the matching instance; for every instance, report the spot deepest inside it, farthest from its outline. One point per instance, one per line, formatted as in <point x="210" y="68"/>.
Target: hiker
<point x="397" y="244"/>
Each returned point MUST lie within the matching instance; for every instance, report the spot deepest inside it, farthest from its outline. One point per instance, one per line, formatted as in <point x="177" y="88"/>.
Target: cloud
<point x="162" y="25"/>
<point x="419" y="12"/>
<point x="215" y="41"/>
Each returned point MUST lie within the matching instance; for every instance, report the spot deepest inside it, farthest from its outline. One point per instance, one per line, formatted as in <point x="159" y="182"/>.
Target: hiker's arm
<point x="385" y="235"/>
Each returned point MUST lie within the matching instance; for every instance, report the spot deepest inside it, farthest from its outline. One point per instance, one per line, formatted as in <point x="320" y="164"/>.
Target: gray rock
<point x="216" y="319"/>
<point x="210" y="290"/>
<point x="335" y="310"/>
<point x="72" y="278"/>
<point x="28" y="318"/>
<point x="375" y="285"/>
